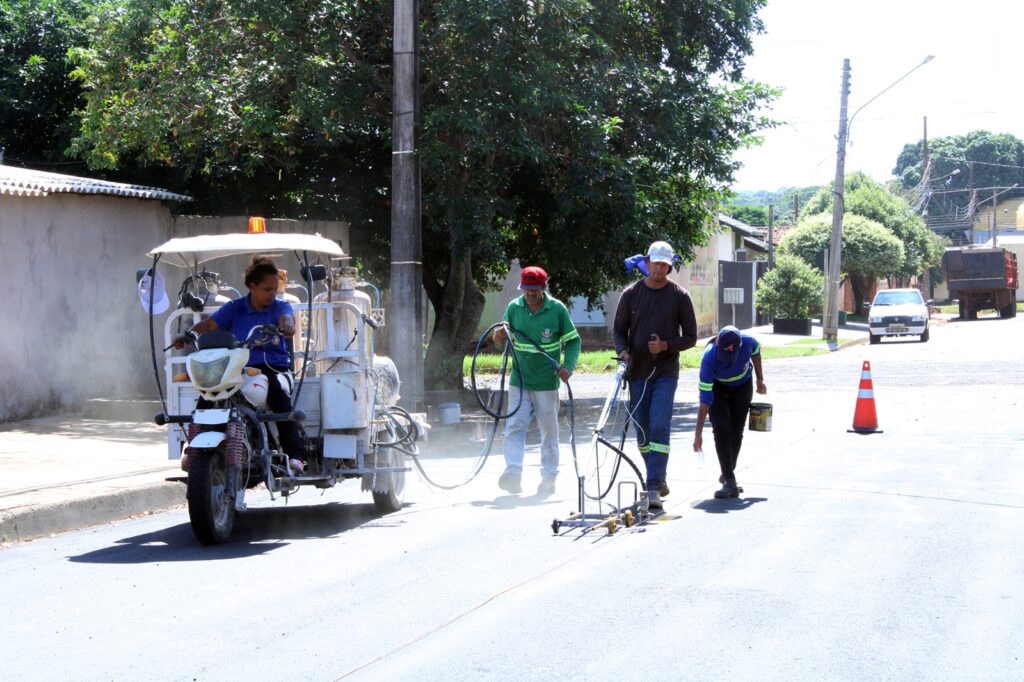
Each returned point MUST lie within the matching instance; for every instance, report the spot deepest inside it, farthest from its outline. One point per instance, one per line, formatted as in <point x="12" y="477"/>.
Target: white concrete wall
<point x="75" y="328"/>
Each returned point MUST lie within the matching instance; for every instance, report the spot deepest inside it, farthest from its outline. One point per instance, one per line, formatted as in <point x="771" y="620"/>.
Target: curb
<point x="60" y="517"/>
<point x="853" y="342"/>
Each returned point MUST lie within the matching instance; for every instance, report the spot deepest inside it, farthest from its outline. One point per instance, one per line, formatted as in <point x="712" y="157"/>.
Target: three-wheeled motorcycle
<point x="343" y="395"/>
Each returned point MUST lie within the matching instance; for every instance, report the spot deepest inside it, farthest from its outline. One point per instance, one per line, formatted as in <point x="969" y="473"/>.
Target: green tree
<point x="867" y="198"/>
<point x="790" y="289"/>
<point x="37" y="98"/>
<point x="782" y="199"/>
<point x="870" y="250"/>
<point x="751" y="215"/>
<point x="998" y="161"/>
<point x="565" y="133"/>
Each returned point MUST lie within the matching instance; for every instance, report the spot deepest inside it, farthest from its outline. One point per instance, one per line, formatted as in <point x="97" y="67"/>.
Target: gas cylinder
<point x="342" y="333"/>
<point x="346" y="397"/>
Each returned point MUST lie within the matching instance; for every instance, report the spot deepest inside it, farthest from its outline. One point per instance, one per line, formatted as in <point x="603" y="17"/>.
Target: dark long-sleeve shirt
<point x="667" y="312"/>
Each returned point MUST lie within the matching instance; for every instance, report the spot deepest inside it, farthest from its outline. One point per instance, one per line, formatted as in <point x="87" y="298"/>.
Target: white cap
<point x="660" y="252"/>
<point x="160" y="301"/>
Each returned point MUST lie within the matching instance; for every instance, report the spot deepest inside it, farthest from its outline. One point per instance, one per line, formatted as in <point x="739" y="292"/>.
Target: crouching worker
<point x="546" y="320"/>
<point x="726" y="389"/>
<point x="261" y="306"/>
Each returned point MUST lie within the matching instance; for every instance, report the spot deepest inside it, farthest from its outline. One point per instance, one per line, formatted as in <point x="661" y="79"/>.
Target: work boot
<point x="729" y="489"/>
<point x="721" y="479"/>
<point x="654" y="500"/>
<point x="511" y="482"/>
<point x="663" y="489"/>
<point x="546" y="487"/>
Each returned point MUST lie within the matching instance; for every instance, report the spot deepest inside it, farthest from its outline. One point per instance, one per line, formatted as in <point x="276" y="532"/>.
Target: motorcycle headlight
<point x="207" y="374"/>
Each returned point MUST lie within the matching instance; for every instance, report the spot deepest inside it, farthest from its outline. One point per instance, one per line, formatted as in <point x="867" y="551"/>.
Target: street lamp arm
<point x="893" y="84"/>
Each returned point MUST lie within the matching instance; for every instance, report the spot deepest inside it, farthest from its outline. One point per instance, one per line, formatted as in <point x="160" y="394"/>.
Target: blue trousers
<point x="651" y="402"/>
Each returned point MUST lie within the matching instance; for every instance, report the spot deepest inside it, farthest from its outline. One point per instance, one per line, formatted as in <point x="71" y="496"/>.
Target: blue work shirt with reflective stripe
<point x="732" y="373"/>
<point x="552" y="328"/>
<point x="239" y="317"/>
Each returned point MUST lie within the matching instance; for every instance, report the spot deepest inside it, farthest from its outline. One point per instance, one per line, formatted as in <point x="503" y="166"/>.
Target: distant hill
<point x="752" y="207"/>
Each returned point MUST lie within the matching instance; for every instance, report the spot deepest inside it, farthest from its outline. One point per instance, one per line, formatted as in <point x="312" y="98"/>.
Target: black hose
<point x="504" y="360"/>
<point x="309" y="322"/>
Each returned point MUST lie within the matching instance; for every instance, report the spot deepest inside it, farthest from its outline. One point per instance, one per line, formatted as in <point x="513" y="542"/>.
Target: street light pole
<point x="830" y="323"/>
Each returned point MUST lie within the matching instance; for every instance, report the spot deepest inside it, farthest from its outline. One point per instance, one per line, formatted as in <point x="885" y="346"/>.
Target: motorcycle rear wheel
<point x="211" y="510"/>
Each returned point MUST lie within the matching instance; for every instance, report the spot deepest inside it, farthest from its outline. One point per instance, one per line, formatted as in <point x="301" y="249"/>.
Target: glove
<point x="185" y="339"/>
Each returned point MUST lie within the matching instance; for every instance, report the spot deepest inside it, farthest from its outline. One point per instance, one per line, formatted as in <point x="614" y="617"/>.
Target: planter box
<point x="800" y="326"/>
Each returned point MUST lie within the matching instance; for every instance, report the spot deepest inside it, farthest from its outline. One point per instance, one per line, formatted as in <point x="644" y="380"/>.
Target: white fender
<point x="207" y="440"/>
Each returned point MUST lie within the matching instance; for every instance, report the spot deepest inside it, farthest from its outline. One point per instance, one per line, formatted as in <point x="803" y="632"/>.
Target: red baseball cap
<point x="533" y="278"/>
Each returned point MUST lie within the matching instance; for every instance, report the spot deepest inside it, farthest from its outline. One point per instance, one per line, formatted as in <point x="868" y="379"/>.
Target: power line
<point x="978" y="163"/>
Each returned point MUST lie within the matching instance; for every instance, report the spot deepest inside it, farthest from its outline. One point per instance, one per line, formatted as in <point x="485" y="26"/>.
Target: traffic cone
<point x="864" y="418"/>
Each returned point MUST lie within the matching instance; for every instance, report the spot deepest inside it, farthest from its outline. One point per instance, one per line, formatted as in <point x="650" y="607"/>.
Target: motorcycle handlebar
<point x="164" y="419"/>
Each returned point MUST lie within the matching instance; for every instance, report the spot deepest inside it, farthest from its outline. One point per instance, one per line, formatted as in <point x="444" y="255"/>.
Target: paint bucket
<point x="449" y="413"/>
<point x="760" y="417"/>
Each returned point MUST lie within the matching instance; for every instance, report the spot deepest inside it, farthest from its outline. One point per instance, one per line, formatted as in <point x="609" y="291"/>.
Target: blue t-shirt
<point x="238" y="317"/>
<point x="731" y="372"/>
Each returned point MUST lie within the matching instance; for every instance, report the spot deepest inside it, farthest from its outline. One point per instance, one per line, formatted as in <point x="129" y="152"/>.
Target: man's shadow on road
<point x="732" y="504"/>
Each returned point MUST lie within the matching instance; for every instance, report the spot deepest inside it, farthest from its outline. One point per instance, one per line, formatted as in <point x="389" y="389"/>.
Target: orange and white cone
<point x="864" y="418"/>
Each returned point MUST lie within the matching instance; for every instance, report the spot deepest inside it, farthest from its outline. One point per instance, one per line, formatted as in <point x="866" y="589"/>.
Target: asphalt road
<point x="896" y="555"/>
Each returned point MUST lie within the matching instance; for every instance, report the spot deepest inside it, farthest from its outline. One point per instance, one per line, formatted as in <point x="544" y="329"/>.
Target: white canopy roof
<point x="186" y="251"/>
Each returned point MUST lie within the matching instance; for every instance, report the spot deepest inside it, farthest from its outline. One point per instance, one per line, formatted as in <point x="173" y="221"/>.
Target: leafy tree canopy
<point x="869" y="251"/>
<point x="782" y="199"/>
<point x="566" y="133"/>
<point x="870" y="199"/>
<point x="751" y="215"/>
<point x="998" y="161"/>
<point x="37" y="99"/>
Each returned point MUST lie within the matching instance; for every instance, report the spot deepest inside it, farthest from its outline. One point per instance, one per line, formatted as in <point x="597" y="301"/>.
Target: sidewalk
<point x="68" y="472"/>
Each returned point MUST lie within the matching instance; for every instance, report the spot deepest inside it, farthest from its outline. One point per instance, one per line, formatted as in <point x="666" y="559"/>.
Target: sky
<point x="974" y="82"/>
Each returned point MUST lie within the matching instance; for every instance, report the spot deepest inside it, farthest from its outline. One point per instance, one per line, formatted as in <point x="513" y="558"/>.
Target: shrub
<point x="790" y="289"/>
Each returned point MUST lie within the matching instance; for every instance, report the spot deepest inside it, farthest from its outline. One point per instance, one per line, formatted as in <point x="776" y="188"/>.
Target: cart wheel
<point x="555" y="525"/>
<point x="613" y="524"/>
<point x="628" y="516"/>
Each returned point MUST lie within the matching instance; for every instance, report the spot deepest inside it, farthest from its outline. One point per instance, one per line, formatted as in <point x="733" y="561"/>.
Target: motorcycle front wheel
<point x="211" y="508"/>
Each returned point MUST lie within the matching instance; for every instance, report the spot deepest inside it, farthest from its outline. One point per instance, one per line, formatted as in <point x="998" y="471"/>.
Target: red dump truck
<point x="982" y="278"/>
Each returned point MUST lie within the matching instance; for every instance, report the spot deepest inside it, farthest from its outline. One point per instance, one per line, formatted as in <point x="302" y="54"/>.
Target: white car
<point x="898" y="312"/>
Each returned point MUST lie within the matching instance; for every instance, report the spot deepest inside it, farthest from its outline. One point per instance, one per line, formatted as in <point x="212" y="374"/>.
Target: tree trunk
<point x="861" y="285"/>
<point x="458" y="305"/>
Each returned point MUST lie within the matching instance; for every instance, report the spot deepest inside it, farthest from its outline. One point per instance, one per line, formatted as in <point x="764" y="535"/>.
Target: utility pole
<point x="796" y="208"/>
<point x="971" y="200"/>
<point x="924" y="176"/>
<point x="993" y="219"/>
<point x="771" y="236"/>
<point x="924" y="149"/>
<point x="406" y="318"/>
<point x="830" y="323"/>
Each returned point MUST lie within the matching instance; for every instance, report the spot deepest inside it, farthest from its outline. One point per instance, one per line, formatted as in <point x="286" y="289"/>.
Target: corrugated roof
<point x="35" y="183"/>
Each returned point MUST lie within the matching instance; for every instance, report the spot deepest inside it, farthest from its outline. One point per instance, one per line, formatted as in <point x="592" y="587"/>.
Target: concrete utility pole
<point x="830" y="323"/>
<point x="971" y="203"/>
<point x="405" y="321"/>
<point x="771" y="236"/>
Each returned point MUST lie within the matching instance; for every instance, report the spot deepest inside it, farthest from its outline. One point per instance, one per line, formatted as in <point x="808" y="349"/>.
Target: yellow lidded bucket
<point x="760" y="417"/>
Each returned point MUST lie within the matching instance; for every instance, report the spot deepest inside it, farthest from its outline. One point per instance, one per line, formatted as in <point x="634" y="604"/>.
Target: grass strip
<point x="603" y="361"/>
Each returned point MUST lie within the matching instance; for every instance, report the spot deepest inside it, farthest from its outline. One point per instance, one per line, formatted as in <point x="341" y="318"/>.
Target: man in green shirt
<point x="536" y="315"/>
